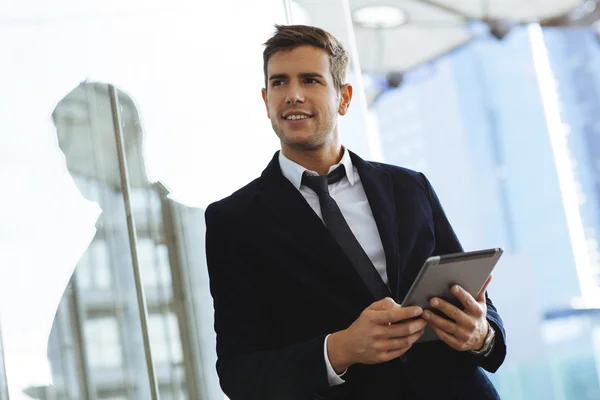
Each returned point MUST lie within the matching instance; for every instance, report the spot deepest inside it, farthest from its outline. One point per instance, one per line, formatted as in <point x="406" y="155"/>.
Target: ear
<point x="345" y="99"/>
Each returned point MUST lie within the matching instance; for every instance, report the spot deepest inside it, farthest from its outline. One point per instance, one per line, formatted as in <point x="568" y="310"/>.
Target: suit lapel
<point x="293" y="216"/>
<point x="380" y="193"/>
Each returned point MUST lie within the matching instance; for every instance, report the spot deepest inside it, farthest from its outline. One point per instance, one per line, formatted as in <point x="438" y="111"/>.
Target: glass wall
<point x="194" y="128"/>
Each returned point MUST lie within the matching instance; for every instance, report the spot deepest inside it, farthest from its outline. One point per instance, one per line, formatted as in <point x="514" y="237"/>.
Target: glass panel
<point x="103" y="342"/>
<point x="165" y="334"/>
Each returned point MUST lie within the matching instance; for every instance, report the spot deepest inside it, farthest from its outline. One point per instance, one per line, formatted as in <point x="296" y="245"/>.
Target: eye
<point x="311" y="80"/>
<point x="277" y="82"/>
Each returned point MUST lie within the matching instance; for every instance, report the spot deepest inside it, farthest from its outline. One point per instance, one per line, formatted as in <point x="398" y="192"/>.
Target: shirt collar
<point x="294" y="171"/>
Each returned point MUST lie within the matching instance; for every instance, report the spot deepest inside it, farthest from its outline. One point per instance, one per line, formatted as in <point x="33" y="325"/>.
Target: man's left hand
<point x="469" y="328"/>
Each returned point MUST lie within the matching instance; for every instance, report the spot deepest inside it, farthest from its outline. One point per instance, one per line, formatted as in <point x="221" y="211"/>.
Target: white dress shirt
<point x="350" y="196"/>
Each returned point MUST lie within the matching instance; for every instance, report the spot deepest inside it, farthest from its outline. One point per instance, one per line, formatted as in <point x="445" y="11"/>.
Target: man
<point x="309" y="262"/>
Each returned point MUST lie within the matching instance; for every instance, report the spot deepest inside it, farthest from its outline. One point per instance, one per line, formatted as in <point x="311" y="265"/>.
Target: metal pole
<point x="4" y="382"/>
<point x="108" y="233"/>
<point x="182" y="299"/>
<point x="139" y="287"/>
<point x="80" y="342"/>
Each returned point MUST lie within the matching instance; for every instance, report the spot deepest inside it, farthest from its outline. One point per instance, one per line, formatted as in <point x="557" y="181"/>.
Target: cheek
<point x="273" y="105"/>
<point x="271" y="110"/>
<point x="334" y="109"/>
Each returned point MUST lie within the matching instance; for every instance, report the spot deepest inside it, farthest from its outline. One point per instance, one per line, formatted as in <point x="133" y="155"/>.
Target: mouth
<point x="297" y="116"/>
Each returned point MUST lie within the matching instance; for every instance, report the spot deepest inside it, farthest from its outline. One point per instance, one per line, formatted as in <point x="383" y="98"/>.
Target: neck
<point x="318" y="160"/>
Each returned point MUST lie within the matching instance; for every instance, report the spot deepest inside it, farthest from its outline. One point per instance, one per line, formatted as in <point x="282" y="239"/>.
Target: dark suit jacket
<point x="281" y="283"/>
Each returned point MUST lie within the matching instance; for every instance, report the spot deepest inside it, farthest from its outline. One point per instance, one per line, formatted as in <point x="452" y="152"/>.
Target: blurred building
<point x="573" y="333"/>
<point x="575" y="56"/>
<point x="473" y="122"/>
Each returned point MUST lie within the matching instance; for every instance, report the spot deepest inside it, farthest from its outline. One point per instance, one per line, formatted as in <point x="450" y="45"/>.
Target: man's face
<point x="301" y="99"/>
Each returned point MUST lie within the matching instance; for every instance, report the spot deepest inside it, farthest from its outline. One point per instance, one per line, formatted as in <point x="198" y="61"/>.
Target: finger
<point x="481" y="296"/>
<point x="402" y="343"/>
<point x="450" y="327"/>
<point x="448" y="339"/>
<point x="451" y="311"/>
<point x="465" y="298"/>
<point x="386" y="317"/>
<point x="405" y="328"/>
<point x="383" y="304"/>
<point x="390" y="355"/>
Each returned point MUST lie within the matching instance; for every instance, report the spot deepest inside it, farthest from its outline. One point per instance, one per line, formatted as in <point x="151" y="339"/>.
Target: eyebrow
<point x="301" y="75"/>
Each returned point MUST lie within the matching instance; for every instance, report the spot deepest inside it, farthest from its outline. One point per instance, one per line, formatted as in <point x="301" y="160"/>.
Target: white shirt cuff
<point x="333" y="378"/>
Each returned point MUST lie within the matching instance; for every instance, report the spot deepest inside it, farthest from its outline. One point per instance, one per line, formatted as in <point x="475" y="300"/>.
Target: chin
<point x="301" y="142"/>
<point x="299" y="139"/>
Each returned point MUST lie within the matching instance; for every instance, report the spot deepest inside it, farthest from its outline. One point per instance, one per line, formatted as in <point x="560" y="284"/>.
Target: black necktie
<point x="337" y="225"/>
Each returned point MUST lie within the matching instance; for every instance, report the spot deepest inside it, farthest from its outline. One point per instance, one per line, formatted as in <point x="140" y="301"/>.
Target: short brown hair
<point x="288" y="37"/>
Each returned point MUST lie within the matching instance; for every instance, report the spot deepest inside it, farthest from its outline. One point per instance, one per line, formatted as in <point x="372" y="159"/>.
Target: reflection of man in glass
<point x="105" y="335"/>
<point x="95" y="346"/>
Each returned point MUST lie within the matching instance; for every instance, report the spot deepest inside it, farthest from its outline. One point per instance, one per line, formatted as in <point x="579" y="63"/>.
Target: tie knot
<point x="319" y="184"/>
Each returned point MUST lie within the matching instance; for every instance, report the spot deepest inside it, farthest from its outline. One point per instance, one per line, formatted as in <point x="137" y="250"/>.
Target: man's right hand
<point x="381" y="333"/>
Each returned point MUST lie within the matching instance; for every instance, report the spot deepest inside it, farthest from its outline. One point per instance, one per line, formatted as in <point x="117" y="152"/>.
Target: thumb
<point x="481" y="296"/>
<point x="384" y="304"/>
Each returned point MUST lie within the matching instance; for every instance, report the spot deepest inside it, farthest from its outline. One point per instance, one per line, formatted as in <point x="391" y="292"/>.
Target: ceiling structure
<point x="520" y="10"/>
<point x="428" y="29"/>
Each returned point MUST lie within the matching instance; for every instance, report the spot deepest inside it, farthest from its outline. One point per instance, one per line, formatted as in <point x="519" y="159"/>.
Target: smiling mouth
<point x="297" y="117"/>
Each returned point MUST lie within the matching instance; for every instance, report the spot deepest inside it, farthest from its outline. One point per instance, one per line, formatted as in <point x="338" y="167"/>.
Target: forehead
<point x="299" y="60"/>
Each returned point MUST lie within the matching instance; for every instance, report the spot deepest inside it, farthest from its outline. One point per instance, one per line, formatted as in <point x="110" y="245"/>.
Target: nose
<point x="294" y="95"/>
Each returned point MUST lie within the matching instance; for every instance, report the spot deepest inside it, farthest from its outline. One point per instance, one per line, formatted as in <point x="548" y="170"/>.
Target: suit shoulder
<point x="406" y="178"/>
<point x="399" y="172"/>
<point x="236" y="203"/>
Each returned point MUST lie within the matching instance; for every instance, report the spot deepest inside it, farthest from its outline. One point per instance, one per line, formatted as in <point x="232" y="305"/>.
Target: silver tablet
<point x="468" y="270"/>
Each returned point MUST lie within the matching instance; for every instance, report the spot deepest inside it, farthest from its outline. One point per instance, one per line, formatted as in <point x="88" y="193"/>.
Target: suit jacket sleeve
<point x="446" y="242"/>
<point x="249" y="365"/>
